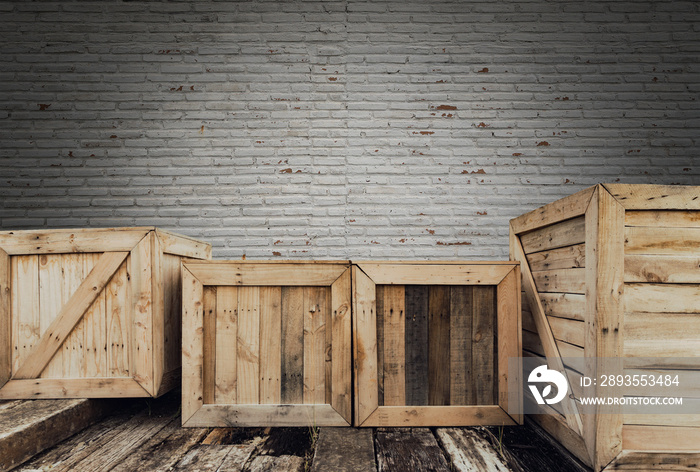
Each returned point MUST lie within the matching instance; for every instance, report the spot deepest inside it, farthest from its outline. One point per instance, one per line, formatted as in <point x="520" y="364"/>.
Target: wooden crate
<point x="432" y="342"/>
<point x="266" y="344"/>
<point x="612" y="272"/>
<point x="87" y="313"/>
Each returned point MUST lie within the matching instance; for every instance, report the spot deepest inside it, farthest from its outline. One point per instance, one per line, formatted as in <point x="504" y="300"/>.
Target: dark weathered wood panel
<point x="292" y="388"/>
<point x="460" y="345"/>
<point x="439" y="345"/>
<point x="483" y="352"/>
<point x="209" y="368"/>
<point x="380" y="343"/>
<point x="416" y="342"/>
<point x="409" y="449"/>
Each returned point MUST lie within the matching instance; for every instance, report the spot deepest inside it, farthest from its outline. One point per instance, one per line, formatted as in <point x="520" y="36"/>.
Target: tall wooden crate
<point x="266" y="344"/>
<point x="87" y="313"/>
<point x="432" y="343"/>
<point x="613" y="272"/>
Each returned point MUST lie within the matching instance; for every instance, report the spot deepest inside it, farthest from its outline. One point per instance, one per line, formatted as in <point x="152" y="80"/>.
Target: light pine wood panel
<point x="662" y="298"/>
<point x="565" y="233"/>
<point x="50" y="304"/>
<point x="315" y="307"/>
<point x="564" y="305"/>
<point x="95" y="341"/>
<point x="655" y="197"/>
<point x="560" y="210"/>
<point x="118" y="322"/>
<point x="248" y="355"/>
<point x="663" y="218"/>
<point x="661" y="438"/>
<point x="341" y="350"/>
<point x="270" y="344"/>
<point x="561" y="280"/>
<point x="570" y="331"/>
<point x="226" y="344"/>
<point x="209" y="335"/>
<point x="570" y="257"/>
<point x="646" y="240"/>
<point x="73" y="276"/>
<point x="25" y="307"/>
<point x="683" y="269"/>
<point x="6" y="342"/>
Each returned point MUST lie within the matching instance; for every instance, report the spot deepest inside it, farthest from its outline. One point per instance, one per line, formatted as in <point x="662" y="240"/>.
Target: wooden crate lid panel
<point x="71" y="241"/>
<point x="268" y="347"/>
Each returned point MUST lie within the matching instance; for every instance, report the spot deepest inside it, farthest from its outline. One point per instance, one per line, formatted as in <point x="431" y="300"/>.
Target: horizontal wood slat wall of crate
<point x="614" y="272"/>
<point x="88" y="313"/>
<point x="432" y="343"/>
<point x="266" y="344"/>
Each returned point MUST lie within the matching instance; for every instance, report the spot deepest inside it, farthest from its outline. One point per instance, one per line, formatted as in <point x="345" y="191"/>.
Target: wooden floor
<point x="145" y="435"/>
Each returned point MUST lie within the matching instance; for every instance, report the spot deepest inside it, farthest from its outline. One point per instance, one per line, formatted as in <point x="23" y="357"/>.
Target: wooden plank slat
<point x="94" y="349"/>
<point x="209" y="344"/>
<point x="314" y="345"/>
<point x="341" y="354"/>
<point x="561" y="280"/>
<point x="158" y="313"/>
<point x="661" y="438"/>
<point x="509" y="345"/>
<point x="344" y="450"/>
<point x="6" y="343"/>
<point x="567" y="233"/>
<point x="416" y="342"/>
<point x="73" y="388"/>
<point x="569" y="257"/>
<point x="663" y="218"/>
<point x="669" y="327"/>
<point x="556" y="426"/>
<point x="292" y="388"/>
<point x="240" y="273"/>
<point x="661" y="298"/>
<point x="563" y="209"/>
<point x="379" y="294"/>
<point x="412" y="449"/>
<point x="417" y="416"/>
<point x="655" y="197"/>
<point x="570" y="331"/>
<point x="179" y="245"/>
<point x="675" y="269"/>
<point x="57" y="241"/>
<point x="439" y="345"/>
<point x="220" y="416"/>
<point x="192" y="345"/>
<point x="655" y="461"/>
<point x="470" y="452"/>
<point x="70" y="314"/>
<point x="171" y="308"/>
<point x="73" y="277"/>
<point x="365" y="345"/>
<point x="285" y="462"/>
<point x="394" y="345"/>
<point x="248" y="354"/>
<point x="226" y="344"/>
<point x="270" y="344"/>
<point x="445" y="274"/>
<point x="461" y="385"/>
<point x="564" y="305"/>
<point x="483" y="332"/>
<point x="50" y="303"/>
<point x="118" y="320"/>
<point x="142" y="314"/>
<point x="549" y="345"/>
<point x="25" y="308"/>
<point x="645" y="240"/>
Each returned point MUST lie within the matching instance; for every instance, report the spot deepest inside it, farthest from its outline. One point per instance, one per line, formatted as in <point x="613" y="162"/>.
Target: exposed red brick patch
<point x="516" y="154"/>
<point x="562" y="98"/>
<point x="460" y="243"/>
<point x="168" y="51"/>
<point x="447" y="115"/>
<point x="655" y="79"/>
<point x="543" y="143"/>
<point x="431" y="231"/>
<point x="70" y="153"/>
<point x="374" y="242"/>
<point x="192" y="87"/>
<point x="201" y="130"/>
<point x="480" y="171"/>
<point x="483" y="71"/>
<point x="482" y="212"/>
<point x="114" y="136"/>
<point x="275" y="253"/>
<point x="402" y="240"/>
<point x="332" y="79"/>
<point x="173" y="89"/>
<point x="439" y="81"/>
<point x="446" y="107"/>
<point x="482" y="125"/>
<point x="277" y="242"/>
<point x="567" y="181"/>
<point x="351" y="221"/>
<point x="286" y="171"/>
<point x="44" y="106"/>
<point x="426" y="133"/>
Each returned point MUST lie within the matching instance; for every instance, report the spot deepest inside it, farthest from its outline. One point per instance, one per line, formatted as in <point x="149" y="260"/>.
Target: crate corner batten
<point x="432" y="343"/>
<point x="91" y="313"/>
<point x="612" y="272"/>
<point x="266" y="343"/>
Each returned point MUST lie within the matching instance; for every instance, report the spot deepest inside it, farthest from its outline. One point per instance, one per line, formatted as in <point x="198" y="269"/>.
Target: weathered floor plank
<point x="469" y="451"/>
<point x="344" y="450"/>
<point x="31" y="426"/>
<point x="409" y="449"/>
<point x="203" y="458"/>
<point x="276" y="464"/>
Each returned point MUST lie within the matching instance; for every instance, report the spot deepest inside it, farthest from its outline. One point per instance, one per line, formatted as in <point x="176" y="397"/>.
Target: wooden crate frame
<point x="144" y="248"/>
<point x="366" y="275"/>
<point x="197" y="362"/>
<point x="599" y="216"/>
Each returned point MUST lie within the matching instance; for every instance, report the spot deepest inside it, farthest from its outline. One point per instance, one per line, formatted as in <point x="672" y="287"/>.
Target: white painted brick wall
<point x="338" y="129"/>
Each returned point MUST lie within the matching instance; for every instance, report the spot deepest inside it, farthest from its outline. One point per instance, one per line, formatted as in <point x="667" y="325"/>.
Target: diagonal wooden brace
<point x="70" y="315"/>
